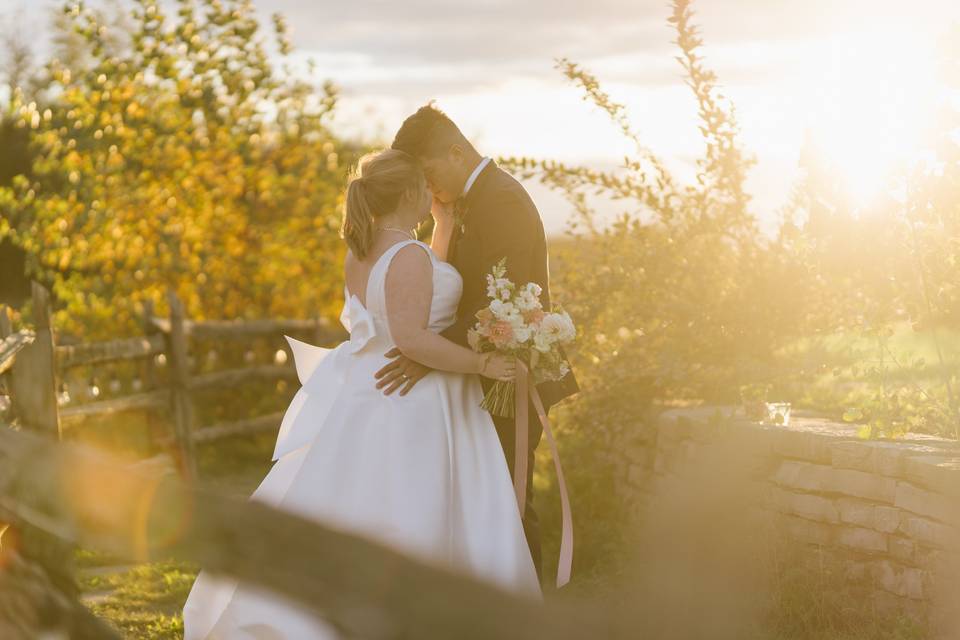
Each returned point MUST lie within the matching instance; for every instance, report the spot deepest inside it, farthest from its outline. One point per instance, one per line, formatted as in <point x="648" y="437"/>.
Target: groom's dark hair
<point x="428" y="133"/>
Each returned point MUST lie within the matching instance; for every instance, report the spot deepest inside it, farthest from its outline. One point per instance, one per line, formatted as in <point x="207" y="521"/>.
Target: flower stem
<point x="499" y="400"/>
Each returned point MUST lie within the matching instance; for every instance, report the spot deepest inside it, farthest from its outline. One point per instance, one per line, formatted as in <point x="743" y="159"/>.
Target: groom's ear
<point x="455" y="153"/>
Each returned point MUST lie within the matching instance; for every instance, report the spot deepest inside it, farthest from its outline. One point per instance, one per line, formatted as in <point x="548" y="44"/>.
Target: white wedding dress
<point x="423" y="473"/>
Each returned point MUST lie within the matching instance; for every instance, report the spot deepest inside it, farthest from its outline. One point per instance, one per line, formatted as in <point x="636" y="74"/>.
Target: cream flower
<point x="558" y="327"/>
<point x="503" y="310"/>
<point x="527" y="300"/>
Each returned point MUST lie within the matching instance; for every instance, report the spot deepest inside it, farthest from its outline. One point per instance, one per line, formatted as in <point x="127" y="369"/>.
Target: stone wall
<point x="887" y="511"/>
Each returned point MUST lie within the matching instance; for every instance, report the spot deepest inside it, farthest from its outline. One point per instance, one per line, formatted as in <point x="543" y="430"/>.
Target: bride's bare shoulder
<point x="411" y="260"/>
<point x="410" y="268"/>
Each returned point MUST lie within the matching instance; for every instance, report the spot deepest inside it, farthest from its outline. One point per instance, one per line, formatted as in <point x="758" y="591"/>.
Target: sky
<point x="856" y="77"/>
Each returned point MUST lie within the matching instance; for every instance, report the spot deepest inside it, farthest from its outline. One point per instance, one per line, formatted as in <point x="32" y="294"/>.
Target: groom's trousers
<point x="506" y="429"/>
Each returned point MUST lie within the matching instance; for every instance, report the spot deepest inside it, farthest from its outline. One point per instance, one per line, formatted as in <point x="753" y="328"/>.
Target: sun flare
<point x="874" y="98"/>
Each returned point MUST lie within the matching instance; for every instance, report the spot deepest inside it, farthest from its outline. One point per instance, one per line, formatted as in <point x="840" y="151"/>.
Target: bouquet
<point x="515" y="323"/>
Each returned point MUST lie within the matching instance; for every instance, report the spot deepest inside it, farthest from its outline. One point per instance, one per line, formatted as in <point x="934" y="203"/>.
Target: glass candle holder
<point x="777" y="413"/>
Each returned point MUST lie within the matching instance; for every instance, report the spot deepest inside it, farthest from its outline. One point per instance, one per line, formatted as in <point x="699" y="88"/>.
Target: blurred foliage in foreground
<point x="171" y="150"/>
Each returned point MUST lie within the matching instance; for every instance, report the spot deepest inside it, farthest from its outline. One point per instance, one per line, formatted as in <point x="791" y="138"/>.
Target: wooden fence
<point x="32" y="363"/>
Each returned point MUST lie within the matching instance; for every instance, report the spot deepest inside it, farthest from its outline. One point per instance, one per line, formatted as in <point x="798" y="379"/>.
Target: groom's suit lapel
<point x="480" y="184"/>
<point x="464" y="207"/>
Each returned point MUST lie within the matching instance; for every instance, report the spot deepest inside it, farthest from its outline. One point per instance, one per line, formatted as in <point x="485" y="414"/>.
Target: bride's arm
<point x="443" y="224"/>
<point x="409" y="292"/>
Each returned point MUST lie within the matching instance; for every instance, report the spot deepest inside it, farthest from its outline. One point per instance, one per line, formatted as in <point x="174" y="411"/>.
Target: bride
<point x="423" y="473"/>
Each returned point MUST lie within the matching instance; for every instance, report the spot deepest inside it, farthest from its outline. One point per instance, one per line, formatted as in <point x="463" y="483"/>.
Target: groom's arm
<point x="506" y="231"/>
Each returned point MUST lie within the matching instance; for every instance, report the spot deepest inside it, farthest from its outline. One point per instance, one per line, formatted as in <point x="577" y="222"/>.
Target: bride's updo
<point x="376" y="189"/>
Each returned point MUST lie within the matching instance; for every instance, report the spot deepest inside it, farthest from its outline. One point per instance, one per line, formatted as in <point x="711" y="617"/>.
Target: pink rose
<point x="501" y="333"/>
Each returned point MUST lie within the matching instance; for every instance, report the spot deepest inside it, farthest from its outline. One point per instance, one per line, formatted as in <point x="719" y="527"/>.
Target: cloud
<point x="501" y="33"/>
<point x="437" y="46"/>
<point x="513" y="35"/>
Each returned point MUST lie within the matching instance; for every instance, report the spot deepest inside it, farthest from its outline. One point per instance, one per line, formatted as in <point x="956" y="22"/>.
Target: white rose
<point x="558" y="327"/>
<point x="527" y="301"/>
<point x="522" y="333"/>
<point x="569" y="329"/>
<point x="503" y="310"/>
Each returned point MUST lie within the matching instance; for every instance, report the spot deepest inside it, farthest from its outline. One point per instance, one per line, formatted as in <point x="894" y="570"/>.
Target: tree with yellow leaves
<point x="178" y="155"/>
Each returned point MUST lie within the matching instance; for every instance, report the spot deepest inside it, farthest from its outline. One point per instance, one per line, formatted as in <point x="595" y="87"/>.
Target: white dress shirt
<point x="473" y="176"/>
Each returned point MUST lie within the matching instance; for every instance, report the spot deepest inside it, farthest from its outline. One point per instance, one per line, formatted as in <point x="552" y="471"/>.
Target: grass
<point x="849" y="370"/>
<point x="143" y="602"/>
<point x="817" y="603"/>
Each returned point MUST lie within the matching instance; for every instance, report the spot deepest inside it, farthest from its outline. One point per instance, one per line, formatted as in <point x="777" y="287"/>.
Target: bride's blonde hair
<point x="376" y="189"/>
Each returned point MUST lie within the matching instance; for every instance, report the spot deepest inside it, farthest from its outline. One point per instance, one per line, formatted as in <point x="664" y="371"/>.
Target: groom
<point x="493" y="218"/>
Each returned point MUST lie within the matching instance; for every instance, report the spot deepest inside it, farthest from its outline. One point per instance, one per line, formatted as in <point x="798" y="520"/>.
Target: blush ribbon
<point x="523" y="391"/>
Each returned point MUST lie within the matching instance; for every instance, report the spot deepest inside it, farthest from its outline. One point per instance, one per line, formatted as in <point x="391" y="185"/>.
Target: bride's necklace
<point x="405" y="232"/>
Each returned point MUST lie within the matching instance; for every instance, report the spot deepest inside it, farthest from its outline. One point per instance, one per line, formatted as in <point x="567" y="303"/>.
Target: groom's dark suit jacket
<point x="501" y="221"/>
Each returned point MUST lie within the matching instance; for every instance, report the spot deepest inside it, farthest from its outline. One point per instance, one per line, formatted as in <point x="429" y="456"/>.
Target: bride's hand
<point x="498" y="366"/>
<point x="442" y="212"/>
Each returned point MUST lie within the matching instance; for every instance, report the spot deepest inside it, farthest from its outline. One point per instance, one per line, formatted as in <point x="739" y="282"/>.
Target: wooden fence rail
<point x="78" y="355"/>
<point x="239" y="329"/>
<point x="11" y="345"/>
<point x="150" y="400"/>
<point x="33" y="363"/>
<point x="143" y="512"/>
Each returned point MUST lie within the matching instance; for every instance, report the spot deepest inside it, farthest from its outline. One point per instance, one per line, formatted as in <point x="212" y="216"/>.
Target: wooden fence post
<point x="33" y="379"/>
<point x="180" y="384"/>
<point x="33" y="394"/>
<point x="148" y="372"/>
<point x="5" y="327"/>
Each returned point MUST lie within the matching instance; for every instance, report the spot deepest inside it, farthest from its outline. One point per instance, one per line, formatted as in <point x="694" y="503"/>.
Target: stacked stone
<point x="889" y="511"/>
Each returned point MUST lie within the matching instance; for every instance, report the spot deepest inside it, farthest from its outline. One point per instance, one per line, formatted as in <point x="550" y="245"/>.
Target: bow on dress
<point x="321" y="374"/>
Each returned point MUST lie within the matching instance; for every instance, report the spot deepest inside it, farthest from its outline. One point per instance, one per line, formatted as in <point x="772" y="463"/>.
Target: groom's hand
<point x="401" y="372"/>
